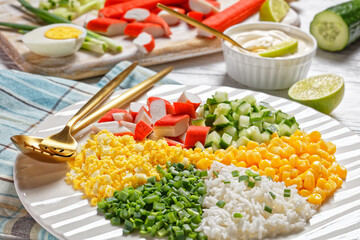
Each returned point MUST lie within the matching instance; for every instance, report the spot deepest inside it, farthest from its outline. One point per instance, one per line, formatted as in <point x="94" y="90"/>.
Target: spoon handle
<point x="101" y="95"/>
<point x="123" y="100"/>
<point x="200" y="25"/>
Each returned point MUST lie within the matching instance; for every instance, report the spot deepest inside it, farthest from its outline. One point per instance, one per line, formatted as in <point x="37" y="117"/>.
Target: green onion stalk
<point x="52" y="18"/>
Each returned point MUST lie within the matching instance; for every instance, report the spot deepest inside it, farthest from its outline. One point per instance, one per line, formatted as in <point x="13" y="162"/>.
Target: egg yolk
<point x="63" y="32"/>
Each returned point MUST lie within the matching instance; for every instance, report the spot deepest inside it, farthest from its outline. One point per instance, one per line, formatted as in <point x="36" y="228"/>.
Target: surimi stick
<point x="171" y="20"/>
<point x="234" y="14"/>
<point x="135" y="28"/>
<point x="118" y="10"/>
<point x="144" y="42"/>
<point x="112" y="2"/>
<point x="107" y="26"/>
<point x="202" y="6"/>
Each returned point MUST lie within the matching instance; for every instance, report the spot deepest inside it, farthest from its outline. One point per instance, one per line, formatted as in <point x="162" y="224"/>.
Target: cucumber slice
<point x="242" y="141"/>
<point x="337" y="27"/>
<point x="222" y="109"/>
<point x="198" y="122"/>
<point x="221" y="122"/>
<point x="234" y="105"/>
<point x="284" y="130"/>
<point x="244" y="108"/>
<point x="210" y="101"/>
<point x="266" y="137"/>
<point x="209" y="119"/>
<point x="226" y="140"/>
<point x="256" y="107"/>
<point x="280" y="116"/>
<point x="271" y="128"/>
<point x="231" y="130"/>
<point x="221" y="97"/>
<point x="256" y="117"/>
<point x="201" y="111"/>
<point x="211" y="138"/>
<point x="199" y="145"/>
<point x="212" y="108"/>
<point x="250" y="99"/>
<point x="258" y="124"/>
<point x="242" y="133"/>
<point x="254" y="134"/>
<point x="266" y="105"/>
<point x="244" y="121"/>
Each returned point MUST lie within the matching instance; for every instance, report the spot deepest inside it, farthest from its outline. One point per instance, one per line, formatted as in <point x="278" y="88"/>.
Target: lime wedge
<point x="323" y="92"/>
<point x="289" y="46"/>
<point x="274" y="10"/>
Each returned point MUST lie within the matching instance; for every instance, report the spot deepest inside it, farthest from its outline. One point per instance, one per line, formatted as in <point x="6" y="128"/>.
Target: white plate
<point x="64" y="213"/>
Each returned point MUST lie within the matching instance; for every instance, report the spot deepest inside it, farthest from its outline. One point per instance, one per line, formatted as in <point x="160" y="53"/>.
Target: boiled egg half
<point x="55" y="40"/>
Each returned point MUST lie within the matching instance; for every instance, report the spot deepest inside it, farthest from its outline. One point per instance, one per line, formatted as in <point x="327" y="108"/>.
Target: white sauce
<point x="257" y="41"/>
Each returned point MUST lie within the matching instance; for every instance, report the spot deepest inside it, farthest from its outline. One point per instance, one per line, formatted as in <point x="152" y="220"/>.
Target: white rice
<point x="288" y="213"/>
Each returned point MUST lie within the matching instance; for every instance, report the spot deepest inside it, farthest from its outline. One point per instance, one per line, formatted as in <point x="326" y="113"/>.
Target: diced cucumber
<point x="258" y="124"/>
<point x="337" y="26"/>
<point x="206" y="112"/>
<point x="209" y="119"/>
<point x="280" y="116"/>
<point x="234" y="105"/>
<point x="198" y="122"/>
<point x="255" y="117"/>
<point x="226" y="140"/>
<point x="250" y="99"/>
<point x="221" y="97"/>
<point x="199" y="145"/>
<point x="231" y="130"/>
<point x="221" y="122"/>
<point x="212" y="108"/>
<point x="212" y="137"/>
<point x="222" y="109"/>
<point x="210" y="101"/>
<point x="294" y="127"/>
<point x="242" y="141"/>
<point x="268" y="115"/>
<point x="254" y="134"/>
<point x="266" y="137"/>
<point x="244" y="121"/>
<point x="256" y="108"/>
<point x="284" y="130"/>
<point x="266" y="105"/>
<point x="235" y="115"/>
<point x="201" y="111"/>
<point x="244" y="108"/>
<point x="242" y="133"/>
<point x="271" y="128"/>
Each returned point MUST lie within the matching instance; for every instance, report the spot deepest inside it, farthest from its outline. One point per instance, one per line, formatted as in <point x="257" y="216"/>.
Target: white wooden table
<point x="210" y="69"/>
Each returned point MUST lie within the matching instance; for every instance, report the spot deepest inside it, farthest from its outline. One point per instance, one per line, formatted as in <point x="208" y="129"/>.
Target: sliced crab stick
<point x="108" y="117"/>
<point x="107" y="26"/>
<point x="135" y="28"/>
<point x="118" y="10"/>
<point x="184" y="108"/>
<point x="202" y="6"/>
<point x="234" y="14"/>
<point x="171" y="125"/>
<point x="123" y="116"/>
<point x="144" y="42"/>
<point x="144" y="15"/>
<point x="169" y="106"/>
<point x="113" y="2"/>
<point x="135" y="108"/>
<point x="143" y="115"/>
<point x="196" y="134"/>
<point x="113" y="127"/>
<point x="142" y="130"/>
<point x="188" y="97"/>
<point x="170" y="19"/>
<point x="157" y="109"/>
<point x="195" y="15"/>
<point x="129" y="125"/>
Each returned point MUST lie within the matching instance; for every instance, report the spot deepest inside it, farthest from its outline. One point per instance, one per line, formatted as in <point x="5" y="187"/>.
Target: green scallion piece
<point x="243" y="178"/>
<point x="268" y="209"/>
<point x="287" y="192"/>
<point x="257" y="178"/>
<point x="235" y="173"/>
<point x="250" y="173"/>
<point x="216" y="173"/>
<point x="226" y="181"/>
<point x="251" y="184"/>
<point x="238" y="215"/>
<point x="272" y="195"/>
<point x="220" y="203"/>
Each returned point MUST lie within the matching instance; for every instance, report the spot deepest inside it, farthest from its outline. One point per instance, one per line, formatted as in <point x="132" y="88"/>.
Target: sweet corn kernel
<point x="275" y="161"/>
<point x="264" y="164"/>
<point x="293" y="159"/>
<point x="304" y="192"/>
<point x="285" y="168"/>
<point x="269" y="171"/>
<point x="298" y="182"/>
<point x="251" y="145"/>
<point x="284" y="161"/>
<point x="309" y="181"/>
<point x="315" y="198"/>
<point x="276" y="178"/>
<point x="288" y="181"/>
<point x="313" y="158"/>
<point x="322" y="154"/>
<point x="331" y="148"/>
<point x="284" y="175"/>
<point x="294" y="173"/>
<point x="254" y="168"/>
<point x="321" y="183"/>
<point x="241" y="164"/>
<point x="321" y="192"/>
<point x="341" y="171"/>
<point x="316" y="165"/>
<point x="337" y="180"/>
<point x="314" y="136"/>
<point x="303" y="165"/>
<point x="328" y="188"/>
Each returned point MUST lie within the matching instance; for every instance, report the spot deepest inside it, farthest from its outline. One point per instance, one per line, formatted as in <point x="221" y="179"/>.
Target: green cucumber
<point x="226" y="140"/>
<point x="231" y="130"/>
<point x="337" y="26"/>
<point x="222" y="109"/>
<point x="221" y="122"/>
<point x="198" y="122"/>
<point x="244" y="121"/>
<point x="220" y="97"/>
<point x="242" y="141"/>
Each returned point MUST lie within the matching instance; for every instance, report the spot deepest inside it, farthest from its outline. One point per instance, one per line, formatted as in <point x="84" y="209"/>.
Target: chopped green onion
<point x="220" y="203"/>
<point x="226" y="181"/>
<point x="235" y="173"/>
<point x="251" y="184"/>
<point x="257" y="178"/>
<point x="272" y="195"/>
<point x="238" y="215"/>
<point x="268" y="209"/>
<point x="270" y="178"/>
<point x="243" y="178"/>
<point x="216" y="173"/>
<point x="250" y="173"/>
<point x="287" y="192"/>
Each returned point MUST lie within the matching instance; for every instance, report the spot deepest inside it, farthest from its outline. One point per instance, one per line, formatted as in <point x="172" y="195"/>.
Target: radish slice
<point x="184" y="108"/>
<point x="144" y="42"/>
<point x="157" y="109"/>
<point x="143" y="115"/>
<point x="169" y="106"/>
<point x="108" y="117"/>
<point x="202" y="6"/>
<point x="123" y="116"/>
<point x="142" y="130"/>
<point x="113" y="127"/>
<point x="171" y="125"/>
<point x="107" y="26"/>
<point x="135" y="108"/>
<point x="137" y="14"/>
<point x="196" y="134"/>
<point x="191" y="98"/>
<point x="129" y="125"/>
<point x="170" y="19"/>
<point x="135" y="28"/>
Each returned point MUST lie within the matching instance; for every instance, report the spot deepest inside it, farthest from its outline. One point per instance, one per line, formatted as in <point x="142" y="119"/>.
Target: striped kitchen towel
<point x="25" y="100"/>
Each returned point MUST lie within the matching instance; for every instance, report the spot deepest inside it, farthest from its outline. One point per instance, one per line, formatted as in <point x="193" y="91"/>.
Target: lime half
<point x="323" y="92"/>
<point x="274" y="10"/>
<point x="289" y="46"/>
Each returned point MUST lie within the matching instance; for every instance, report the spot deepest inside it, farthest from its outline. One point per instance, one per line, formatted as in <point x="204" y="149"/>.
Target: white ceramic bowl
<point x="268" y="73"/>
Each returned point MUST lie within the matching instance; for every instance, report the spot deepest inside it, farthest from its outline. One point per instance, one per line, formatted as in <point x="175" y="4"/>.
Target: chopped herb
<point x="216" y="173"/>
<point x="251" y="184"/>
<point x="250" y="173"/>
<point x="257" y="178"/>
<point x="270" y="178"/>
<point x="226" y="181"/>
<point x="238" y="215"/>
<point x="287" y="192"/>
<point x="268" y="209"/>
<point x="243" y="178"/>
<point x="272" y="195"/>
<point x="220" y="203"/>
<point x="235" y="173"/>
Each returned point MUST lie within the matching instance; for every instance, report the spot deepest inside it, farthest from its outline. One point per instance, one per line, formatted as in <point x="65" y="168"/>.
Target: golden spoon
<point x="29" y="145"/>
<point x="202" y="26"/>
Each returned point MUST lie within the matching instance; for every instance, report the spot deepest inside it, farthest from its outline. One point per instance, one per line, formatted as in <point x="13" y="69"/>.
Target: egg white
<point x="41" y="45"/>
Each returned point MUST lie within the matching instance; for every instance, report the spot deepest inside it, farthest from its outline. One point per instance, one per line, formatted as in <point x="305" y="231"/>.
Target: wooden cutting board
<point x="182" y="44"/>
